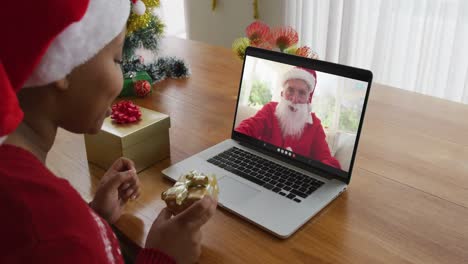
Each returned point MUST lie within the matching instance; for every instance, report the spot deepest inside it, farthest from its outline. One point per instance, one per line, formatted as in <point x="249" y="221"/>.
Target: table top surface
<point x="407" y="201"/>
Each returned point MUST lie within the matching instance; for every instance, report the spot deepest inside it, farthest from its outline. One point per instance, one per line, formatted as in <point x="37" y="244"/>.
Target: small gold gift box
<point x="188" y="189"/>
<point x="145" y="142"/>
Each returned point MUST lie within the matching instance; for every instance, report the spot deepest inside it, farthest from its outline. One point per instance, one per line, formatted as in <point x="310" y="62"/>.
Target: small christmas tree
<point x="144" y="33"/>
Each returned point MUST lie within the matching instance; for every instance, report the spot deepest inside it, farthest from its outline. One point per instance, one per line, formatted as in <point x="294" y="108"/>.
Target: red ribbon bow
<point x="125" y="112"/>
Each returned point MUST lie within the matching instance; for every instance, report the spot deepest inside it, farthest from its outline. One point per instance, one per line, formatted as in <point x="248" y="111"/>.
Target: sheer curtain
<point x="419" y="45"/>
<point x="172" y="14"/>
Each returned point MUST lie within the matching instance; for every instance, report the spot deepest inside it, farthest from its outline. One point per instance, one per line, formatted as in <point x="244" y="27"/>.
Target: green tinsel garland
<point x="164" y="67"/>
<point x="147" y="38"/>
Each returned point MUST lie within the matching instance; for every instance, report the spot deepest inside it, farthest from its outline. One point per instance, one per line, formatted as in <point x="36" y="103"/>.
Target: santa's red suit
<point x="265" y="126"/>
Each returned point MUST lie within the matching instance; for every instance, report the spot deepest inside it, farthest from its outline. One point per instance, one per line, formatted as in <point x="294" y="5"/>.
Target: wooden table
<point x="408" y="198"/>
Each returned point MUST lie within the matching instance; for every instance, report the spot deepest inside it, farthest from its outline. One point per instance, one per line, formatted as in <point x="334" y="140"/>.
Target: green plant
<point x="349" y="119"/>
<point x="324" y="108"/>
<point x="260" y="94"/>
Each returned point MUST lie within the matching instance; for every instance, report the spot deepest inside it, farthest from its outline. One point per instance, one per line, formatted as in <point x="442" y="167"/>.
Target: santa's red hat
<point x="45" y="40"/>
<point x="307" y="75"/>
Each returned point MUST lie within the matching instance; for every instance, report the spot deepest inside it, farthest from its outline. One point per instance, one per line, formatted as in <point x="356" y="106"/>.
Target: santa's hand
<point x="119" y="184"/>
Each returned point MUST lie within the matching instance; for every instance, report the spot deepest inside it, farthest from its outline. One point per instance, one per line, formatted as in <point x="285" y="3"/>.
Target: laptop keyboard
<point x="279" y="179"/>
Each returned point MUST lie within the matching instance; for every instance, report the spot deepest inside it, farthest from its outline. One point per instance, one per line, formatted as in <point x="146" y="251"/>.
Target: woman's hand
<point x="119" y="184"/>
<point x="180" y="236"/>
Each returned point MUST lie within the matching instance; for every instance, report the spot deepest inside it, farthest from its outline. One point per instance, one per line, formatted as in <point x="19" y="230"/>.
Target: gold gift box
<point x="145" y="142"/>
<point x="188" y="189"/>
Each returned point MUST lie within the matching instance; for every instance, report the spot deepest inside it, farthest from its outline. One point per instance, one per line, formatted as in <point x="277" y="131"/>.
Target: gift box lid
<point x="133" y="133"/>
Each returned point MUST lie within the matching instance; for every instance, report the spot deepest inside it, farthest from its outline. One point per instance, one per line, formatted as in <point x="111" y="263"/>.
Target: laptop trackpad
<point x="233" y="191"/>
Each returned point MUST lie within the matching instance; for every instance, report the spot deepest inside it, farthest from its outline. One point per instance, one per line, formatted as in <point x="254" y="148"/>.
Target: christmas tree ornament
<point x="142" y="88"/>
<point x="130" y="78"/>
<point x="138" y="7"/>
<point x="213" y="4"/>
<point x="255" y="10"/>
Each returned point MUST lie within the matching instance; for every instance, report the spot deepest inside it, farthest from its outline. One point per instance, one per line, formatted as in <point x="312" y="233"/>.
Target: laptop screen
<point x="301" y="113"/>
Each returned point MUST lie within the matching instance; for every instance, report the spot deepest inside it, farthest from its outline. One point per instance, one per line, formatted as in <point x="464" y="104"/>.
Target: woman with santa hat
<point x="60" y="67"/>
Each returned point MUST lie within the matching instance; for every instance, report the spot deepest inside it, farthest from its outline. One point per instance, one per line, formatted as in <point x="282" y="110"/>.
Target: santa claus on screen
<point x="290" y="124"/>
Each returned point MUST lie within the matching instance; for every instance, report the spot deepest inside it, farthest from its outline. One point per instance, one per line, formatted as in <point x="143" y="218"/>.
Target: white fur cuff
<point x="102" y="22"/>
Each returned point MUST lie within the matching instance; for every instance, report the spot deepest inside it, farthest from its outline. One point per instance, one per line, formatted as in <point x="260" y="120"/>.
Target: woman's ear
<point x="62" y="84"/>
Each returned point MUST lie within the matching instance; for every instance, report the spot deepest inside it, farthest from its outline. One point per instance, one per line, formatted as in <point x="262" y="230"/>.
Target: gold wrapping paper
<point x="145" y="142"/>
<point x="190" y="188"/>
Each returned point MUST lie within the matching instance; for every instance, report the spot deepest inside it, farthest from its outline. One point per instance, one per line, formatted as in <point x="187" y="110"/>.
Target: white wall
<point x="229" y="20"/>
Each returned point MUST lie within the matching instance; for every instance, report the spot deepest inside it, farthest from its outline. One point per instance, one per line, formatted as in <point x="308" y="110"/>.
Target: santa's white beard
<point x="292" y="122"/>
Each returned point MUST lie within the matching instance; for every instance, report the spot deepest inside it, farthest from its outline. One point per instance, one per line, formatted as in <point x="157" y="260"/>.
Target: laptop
<point x="279" y="180"/>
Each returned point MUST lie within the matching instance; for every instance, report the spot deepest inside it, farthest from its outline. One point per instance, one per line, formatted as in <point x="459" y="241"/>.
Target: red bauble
<point x="125" y="112"/>
<point x="142" y="88"/>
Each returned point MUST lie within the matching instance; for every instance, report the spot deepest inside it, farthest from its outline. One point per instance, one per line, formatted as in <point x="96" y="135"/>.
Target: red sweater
<point x="312" y="143"/>
<point x="44" y="220"/>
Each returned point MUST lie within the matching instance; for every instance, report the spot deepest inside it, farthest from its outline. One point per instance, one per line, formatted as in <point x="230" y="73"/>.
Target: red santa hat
<point x="307" y="75"/>
<point x="45" y="40"/>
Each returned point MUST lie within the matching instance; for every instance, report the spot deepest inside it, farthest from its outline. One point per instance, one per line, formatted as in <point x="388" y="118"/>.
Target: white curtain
<point x="172" y="14"/>
<point x="419" y="45"/>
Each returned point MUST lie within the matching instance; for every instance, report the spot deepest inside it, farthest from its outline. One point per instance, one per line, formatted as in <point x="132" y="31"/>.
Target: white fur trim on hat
<point x="297" y="73"/>
<point x="102" y="22"/>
